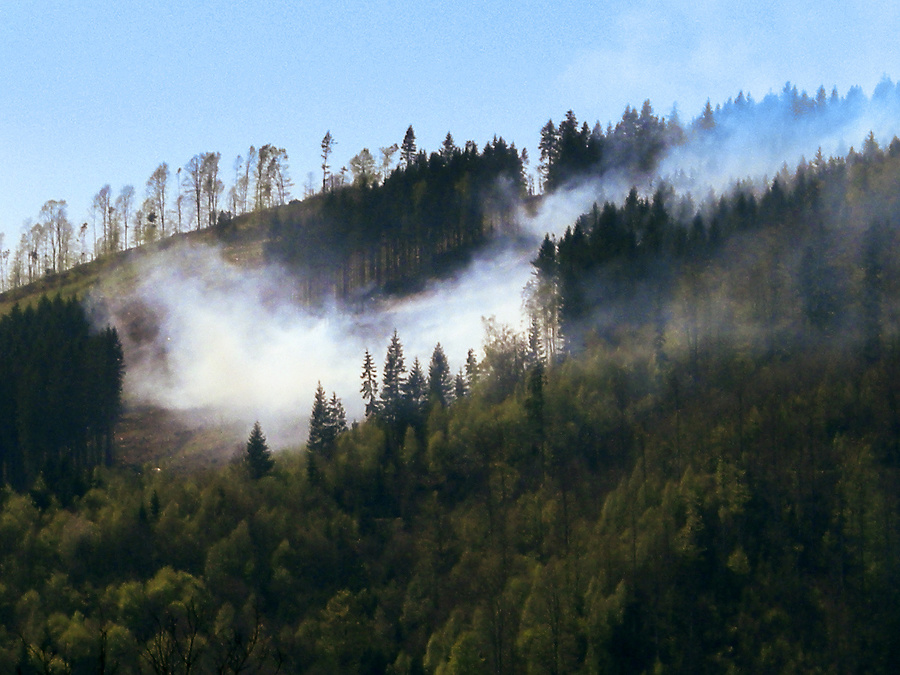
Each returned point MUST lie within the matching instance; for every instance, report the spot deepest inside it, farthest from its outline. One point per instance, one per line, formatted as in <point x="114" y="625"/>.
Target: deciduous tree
<point x="125" y="205"/>
<point x="362" y="166"/>
<point x="157" y="186"/>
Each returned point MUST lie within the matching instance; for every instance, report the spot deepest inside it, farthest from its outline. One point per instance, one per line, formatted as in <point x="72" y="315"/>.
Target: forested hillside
<point x="607" y="514"/>
<point x="425" y="219"/>
<point x="806" y="259"/>
<point x="689" y="462"/>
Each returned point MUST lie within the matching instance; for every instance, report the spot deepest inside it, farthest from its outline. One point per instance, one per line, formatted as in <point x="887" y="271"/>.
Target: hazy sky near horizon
<point x="95" y="92"/>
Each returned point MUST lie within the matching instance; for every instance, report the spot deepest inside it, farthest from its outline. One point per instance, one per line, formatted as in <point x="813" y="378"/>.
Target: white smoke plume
<point x="215" y="340"/>
<point x="754" y="140"/>
<point x="206" y="337"/>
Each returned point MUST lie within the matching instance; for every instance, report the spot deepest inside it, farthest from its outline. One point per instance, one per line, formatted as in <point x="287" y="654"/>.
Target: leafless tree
<point x="157" y="185"/>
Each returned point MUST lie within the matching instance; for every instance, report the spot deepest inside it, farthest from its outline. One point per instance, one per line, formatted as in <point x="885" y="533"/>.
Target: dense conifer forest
<point x="424" y="220"/>
<point x="60" y="396"/>
<point x="689" y="462"/>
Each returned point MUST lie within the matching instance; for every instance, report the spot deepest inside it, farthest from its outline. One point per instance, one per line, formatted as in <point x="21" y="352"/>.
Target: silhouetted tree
<point x="408" y="147"/>
<point x="415" y="392"/>
<point x="258" y="458"/>
<point x="319" y="440"/>
<point x="440" y="381"/>
<point x="369" y="389"/>
<point x="328" y="144"/>
<point x="393" y="379"/>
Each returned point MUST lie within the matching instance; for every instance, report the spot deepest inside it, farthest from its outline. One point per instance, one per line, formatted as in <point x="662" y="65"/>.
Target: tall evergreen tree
<point x="460" y="385"/>
<point x="258" y="458"/>
<point x="415" y="391"/>
<point x="392" y="381"/>
<point x="448" y="148"/>
<point x="549" y="147"/>
<point x="326" y="422"/>
<point x="369" y="389"/>
<point x="337" y="417"/>
<point x="440" y="381"/>
<point x="319" y="423"/>
<point x="408" y="148"/>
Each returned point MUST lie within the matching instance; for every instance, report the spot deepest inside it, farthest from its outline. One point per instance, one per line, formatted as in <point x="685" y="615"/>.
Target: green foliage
<point x="595" y="519"/>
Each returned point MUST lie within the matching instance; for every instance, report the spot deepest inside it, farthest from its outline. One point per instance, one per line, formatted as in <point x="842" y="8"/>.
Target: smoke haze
<point x="210" y="339"/>
<point x="205" y="336"/>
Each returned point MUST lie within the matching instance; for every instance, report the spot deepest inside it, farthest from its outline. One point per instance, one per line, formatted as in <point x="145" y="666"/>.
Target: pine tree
<point x="415" y="391"/>
<point x="460" y="385"/>
<point x="337" y="418"/>
<point x="549" y="147"/>
<point x="536" y="352"/>
<point x="408" y="148"/>
<point x="448" y="149"/>
<point x="369" y="388"/>
<point x="707" y="119"/>
<point x="440" y="382"/>
<point x="471" y="368"/>
<point x="258" y="459"/>
<point x="318" y="441"/>
<point x="392" y="381"/>
<point x="326" y="422"/>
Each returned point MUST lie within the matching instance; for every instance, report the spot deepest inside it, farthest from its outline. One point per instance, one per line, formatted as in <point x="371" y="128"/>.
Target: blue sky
<point x="95" y="92"/>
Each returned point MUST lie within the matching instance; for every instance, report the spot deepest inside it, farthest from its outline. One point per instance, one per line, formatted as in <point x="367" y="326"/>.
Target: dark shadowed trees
<point x="440" y="381"/>
<point x="408" y="148"/>
<point x="258" y="458"/>
<point x="327" y="144"/>
<point x="369" y="389"/>
<point x="60" y="395"/>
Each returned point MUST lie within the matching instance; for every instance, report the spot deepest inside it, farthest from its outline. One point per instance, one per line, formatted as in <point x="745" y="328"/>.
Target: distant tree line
<point x="195" y="196"/>
<point x="634" y="146"/>
<point x="60" y="396"/>
<point x="191" y="197"/>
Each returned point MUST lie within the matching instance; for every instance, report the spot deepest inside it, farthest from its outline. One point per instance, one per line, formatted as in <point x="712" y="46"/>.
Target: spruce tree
<point x="415" y="391"/>
<point x="258" y="459"/>
<point x="392" y="381"/>
<point x="408" y="147"/>
<point x="337" y="418"/>
<point x="440" y="382"/>
<point x="460" y="385"/>
<point x="369" y="388"/>
<point x="327" y="420"/>
<point x="319" y="423"/>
